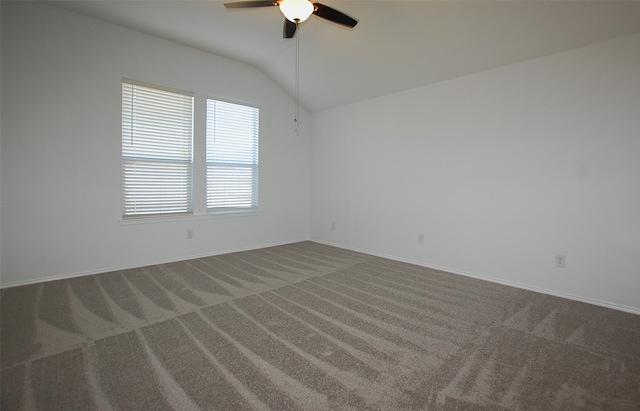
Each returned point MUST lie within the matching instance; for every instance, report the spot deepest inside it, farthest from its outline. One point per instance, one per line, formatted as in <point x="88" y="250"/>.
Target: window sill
<point x="207" y="216"/>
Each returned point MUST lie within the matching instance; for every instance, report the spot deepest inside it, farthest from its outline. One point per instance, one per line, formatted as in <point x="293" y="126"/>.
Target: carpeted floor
<point x="306" y="326"/>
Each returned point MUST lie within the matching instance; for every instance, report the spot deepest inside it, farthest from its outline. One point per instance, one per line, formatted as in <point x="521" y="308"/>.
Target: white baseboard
<point x="382" y="255"/>
<point x="144" y="264"/>
<point x="522" y="286"/>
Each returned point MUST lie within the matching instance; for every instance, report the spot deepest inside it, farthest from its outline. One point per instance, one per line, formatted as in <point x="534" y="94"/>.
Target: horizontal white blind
<point x="157" y="151"/>
<point x="232" y="156"/>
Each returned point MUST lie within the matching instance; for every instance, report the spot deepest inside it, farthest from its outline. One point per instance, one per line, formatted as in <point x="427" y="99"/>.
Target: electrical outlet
<point x="420" y="238"/>
<point x="189" y="234"/>
<point x="561" y="260"/>
<point x="333" y="226"/>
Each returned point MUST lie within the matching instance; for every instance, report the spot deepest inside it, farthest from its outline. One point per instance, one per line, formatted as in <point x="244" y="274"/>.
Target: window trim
<point x="231" y="211"/>
<point x="190" y="162"/>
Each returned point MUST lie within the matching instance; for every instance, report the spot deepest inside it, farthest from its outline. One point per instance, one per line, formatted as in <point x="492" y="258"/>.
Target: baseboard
<point x="382" y="255"/>
<point x="145" y="264"/>
<point x="521" y="286"/>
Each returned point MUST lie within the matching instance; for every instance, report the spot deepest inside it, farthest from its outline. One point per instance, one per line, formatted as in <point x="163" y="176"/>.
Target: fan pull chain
<point x="297" y="86"/>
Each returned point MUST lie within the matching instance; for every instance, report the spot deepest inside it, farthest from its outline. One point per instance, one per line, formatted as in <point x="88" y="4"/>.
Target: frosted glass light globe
<point x="296" y="11"/>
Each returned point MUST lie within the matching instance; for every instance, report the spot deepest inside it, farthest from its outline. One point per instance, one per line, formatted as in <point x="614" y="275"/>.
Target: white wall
<point x="61" y="91"/>
<point x="500" y="171"/>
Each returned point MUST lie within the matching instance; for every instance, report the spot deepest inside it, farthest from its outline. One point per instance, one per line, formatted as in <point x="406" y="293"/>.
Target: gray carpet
<point x="306" y="326"/>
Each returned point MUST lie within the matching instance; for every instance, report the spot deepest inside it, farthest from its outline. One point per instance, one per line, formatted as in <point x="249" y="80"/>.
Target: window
<point x="232" y="156"/>
<point x="157" y="150"/>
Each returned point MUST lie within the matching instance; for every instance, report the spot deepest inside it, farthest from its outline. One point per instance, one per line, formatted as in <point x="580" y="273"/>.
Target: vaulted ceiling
<point x="397" y="45"/>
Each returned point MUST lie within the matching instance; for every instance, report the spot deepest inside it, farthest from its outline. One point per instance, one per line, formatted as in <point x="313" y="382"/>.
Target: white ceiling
<point x="397" y="45"/>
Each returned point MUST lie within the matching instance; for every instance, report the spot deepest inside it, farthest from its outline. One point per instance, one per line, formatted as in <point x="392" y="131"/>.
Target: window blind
<point x="157" y="150"/>
<point x="232" y="156"/>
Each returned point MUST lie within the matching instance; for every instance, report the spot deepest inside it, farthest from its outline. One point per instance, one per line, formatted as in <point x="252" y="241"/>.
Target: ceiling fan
<point x="297" y="11"/>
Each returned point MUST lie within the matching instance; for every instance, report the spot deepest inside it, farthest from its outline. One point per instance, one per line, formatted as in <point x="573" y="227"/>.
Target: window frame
<point x="152" y="156"/>
<point x="253" y="165"/>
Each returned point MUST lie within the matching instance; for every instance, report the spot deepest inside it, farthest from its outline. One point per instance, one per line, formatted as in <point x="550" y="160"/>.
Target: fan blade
<point x="289" y="29"/>
<point x="246" y="4"/>
<point x="333" y="15"/>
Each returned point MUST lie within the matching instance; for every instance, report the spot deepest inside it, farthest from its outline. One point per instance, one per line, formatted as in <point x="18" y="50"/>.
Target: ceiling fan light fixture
<point x="296" y="11"/>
